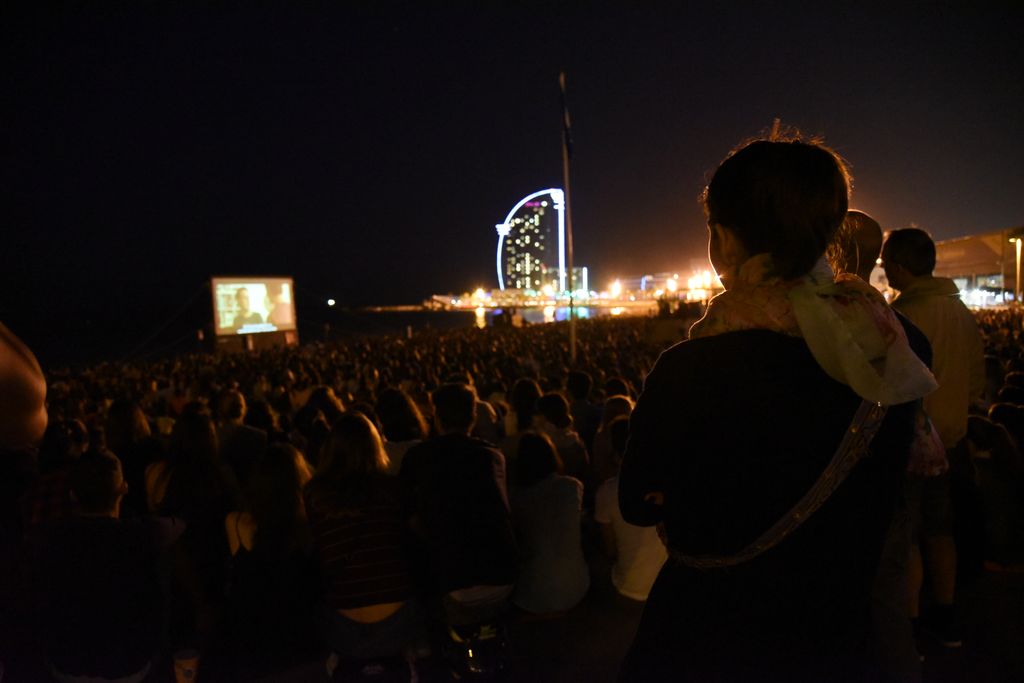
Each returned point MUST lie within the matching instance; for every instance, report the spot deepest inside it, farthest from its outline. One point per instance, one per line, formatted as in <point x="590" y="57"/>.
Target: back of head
<point x="579" y="384"/>
<point x="784" y="197"/>
<point x="618" y="429"/>
<point x="1014" y="379"/>
<point x="274" y="495"/>
<point x="1009" y="416"/>
<point x="194" y="441"/>
<point x="261" y="415"/>
<point x="460" y="377"/>
<point x="525" y="394"/>
<point x="400" y="417"/>
<point x="126" y="425"/>
<point x="63" y="442"/>
<point x="1014" y="395"/>
<point x="617" y="386"/>
<point x="536" y="458"/>
<point x="555" y="409"/>
<point x="454" y="407"/>
<point x="324" y="399"/>
<point x="352" y="453"/>
<point x="231" y="406"/>
<point x="616" y="406"/>
<point x="911" y="248"/>
<point x="96" y="482"/>
<point x="856" y="246"/>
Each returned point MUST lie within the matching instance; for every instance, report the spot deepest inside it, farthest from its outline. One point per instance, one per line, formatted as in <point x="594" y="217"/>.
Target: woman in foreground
<point x="360" y="535"/>
<point x="749" y="444"/>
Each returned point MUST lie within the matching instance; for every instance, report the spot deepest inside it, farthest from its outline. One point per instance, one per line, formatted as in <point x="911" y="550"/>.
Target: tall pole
<point x="566" y="158"/>
<point x="1016" y="291"/>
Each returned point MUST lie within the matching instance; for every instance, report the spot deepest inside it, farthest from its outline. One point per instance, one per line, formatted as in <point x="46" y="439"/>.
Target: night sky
<point x="368" y="149"/>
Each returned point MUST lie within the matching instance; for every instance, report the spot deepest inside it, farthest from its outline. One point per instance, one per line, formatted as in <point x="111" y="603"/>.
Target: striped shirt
<point x="362" y="554"/>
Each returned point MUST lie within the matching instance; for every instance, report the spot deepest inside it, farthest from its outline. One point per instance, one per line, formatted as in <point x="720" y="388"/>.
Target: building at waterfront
<point x="531" y="243"/>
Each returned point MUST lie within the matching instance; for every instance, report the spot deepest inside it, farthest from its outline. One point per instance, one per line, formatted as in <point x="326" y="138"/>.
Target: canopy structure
<point x="979" y="256"/>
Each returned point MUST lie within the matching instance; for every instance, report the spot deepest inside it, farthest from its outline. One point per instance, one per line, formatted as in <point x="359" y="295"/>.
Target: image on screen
<point x="250" y="305"/>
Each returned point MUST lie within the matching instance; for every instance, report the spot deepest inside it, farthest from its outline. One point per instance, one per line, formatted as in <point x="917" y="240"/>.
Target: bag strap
<point x="851" y="450"/>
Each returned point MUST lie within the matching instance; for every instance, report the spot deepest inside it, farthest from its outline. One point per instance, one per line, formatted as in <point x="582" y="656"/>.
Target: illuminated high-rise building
<point x="531" y="243"/>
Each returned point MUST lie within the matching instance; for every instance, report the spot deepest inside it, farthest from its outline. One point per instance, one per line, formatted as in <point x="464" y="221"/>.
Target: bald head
<point x="856" y="246"/>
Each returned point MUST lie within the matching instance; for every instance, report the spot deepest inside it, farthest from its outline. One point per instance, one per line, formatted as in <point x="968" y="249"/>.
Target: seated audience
<point x="603" y="461"/>
<point x="269" y="619"/>
<point x="546" y="511"/>
<point x="96" y="586"/>
<point x="192" y="484"/>
<point x="553" y="419"/>
<point x="403" y="423"/>
<point x="240" y="444"/>
<point x="360" y="535"/>
<point x="636" y="551"/>
<point x="129" y="437"/>
<point x="454" y="493"/>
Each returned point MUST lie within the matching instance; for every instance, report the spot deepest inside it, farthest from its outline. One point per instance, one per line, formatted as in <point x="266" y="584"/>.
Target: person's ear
<point x="725" y="251"/>
<point x="731" y="249"/>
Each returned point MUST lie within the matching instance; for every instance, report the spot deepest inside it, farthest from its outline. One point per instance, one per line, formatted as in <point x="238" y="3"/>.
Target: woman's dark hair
<point x="536" y="458"/>
<point x="126" y="426"/>
<point x="96" y="481"/>
<point x="555" y="410"/>
<point x="62" y="441"/>
<point x="274" y="494"/>
<point x="262" y="416"/>
<point x="352" y="454"/>
<point x="579" y="384"/>
<point x="400" y="417"/>
<point x="524" y="397"/>
<point x="324" y="400"/>
<point x="784" y="197"/>
<point x="196" y="484"/>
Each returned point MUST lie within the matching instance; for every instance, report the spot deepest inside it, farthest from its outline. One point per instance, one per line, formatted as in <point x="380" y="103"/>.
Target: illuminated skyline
<point x="365" y="150"/>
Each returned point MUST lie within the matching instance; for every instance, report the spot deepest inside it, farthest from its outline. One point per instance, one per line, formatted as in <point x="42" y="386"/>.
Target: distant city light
<point x="672" y="285"/>
<point x="331" y="302"/>
<point x="615" y="289"/>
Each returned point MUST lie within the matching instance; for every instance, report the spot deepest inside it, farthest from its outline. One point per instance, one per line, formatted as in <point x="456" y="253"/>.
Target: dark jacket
<point x="454" y="490"/>
<point x="733" y="430"/>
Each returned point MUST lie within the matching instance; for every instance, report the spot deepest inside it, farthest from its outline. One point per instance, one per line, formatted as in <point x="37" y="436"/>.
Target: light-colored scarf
<point x="851" y="331"/>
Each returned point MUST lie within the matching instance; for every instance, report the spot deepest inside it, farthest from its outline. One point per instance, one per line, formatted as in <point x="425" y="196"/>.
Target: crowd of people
<point x="247" y="513"/>
<point x="785" y="490"/>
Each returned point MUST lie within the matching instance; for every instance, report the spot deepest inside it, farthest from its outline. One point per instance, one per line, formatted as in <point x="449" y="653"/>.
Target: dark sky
<point x="369" y="149"/>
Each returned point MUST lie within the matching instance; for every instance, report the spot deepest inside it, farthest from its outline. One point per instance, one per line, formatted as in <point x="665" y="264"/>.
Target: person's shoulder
<point x="252" y="433"/>
<point x="606" y="500"/>
<point x="568" y="484"/>
<point x="713" y="354"/>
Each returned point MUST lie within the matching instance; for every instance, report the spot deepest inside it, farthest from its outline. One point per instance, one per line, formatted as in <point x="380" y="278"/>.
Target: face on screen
<point x="253" y="305"/>
<point x="242" y="296"/>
